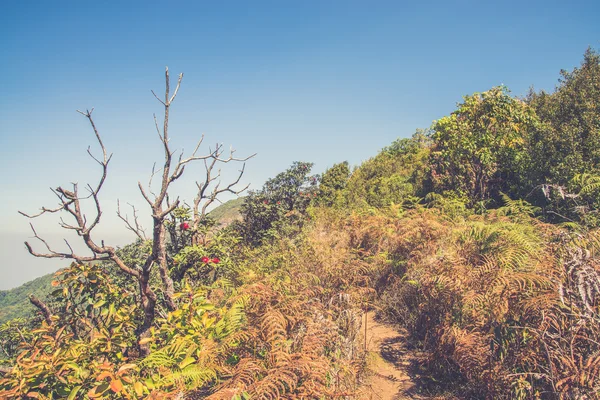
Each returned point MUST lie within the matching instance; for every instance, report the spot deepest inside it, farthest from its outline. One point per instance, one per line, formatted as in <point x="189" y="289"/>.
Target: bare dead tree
<point x="71" y="203"/>
<point x="171" y="171"/>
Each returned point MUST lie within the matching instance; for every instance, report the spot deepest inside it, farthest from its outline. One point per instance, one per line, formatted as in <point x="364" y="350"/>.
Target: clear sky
<point x="321" y="81"/>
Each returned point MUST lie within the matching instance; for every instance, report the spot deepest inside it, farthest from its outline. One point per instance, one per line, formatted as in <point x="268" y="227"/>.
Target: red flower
<point x="278" y="202"/>
<point x="205" y="260"/>
<point x="184" y="226"/>
<point x="266" y="202"/>
<point x="216" y="260"/>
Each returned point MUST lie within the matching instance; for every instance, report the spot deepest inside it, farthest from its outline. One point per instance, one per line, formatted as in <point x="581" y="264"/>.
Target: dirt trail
<point x="389" y="377"/>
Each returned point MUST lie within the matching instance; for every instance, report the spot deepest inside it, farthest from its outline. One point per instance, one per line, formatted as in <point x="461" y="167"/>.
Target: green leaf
<point x="186" y="362"/>
<point x="150" y="383"/>
<point x="139" y="388"/>
<point x="73" y="392"/>
<point x="99" y="303"/>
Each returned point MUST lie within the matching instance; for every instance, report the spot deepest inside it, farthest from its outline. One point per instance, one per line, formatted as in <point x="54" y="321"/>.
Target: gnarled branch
<point x="40" y="305"/>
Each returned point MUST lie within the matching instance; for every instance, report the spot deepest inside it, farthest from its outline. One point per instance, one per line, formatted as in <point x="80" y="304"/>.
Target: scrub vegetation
<point x="479" y="236"/>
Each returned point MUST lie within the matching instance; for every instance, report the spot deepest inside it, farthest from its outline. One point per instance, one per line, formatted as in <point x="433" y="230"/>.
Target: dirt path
<point x="390" y="362"/>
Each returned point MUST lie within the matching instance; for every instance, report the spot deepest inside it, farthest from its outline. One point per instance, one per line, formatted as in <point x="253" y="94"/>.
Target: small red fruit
<point x="216" y="260"/>
<point x="205" y="260"/>
<point x="184" y="226"/>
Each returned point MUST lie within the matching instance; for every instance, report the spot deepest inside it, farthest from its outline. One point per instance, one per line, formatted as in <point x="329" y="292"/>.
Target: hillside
<point x="14" y="303"/>
<point x="460" y="263"/>
<point x="228" y="212"/>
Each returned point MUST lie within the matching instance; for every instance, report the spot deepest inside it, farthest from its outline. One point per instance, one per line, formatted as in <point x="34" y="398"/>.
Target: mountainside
<point x="460" y="263"/>
<point x="228" y="212"/>
<point x="14" y="303"/>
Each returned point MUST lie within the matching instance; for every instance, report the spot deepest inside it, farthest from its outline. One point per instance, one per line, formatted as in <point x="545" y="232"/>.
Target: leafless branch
<point x="176" y="88"/>
<point x="64" y="225"/>
<point x="198" y="145"/>
<point x="213" y="196"/>
<point x="70" y="199"/>
<point x="55" y="254"/>
<point x="144" y="194"/>
<point x="156" y="124"/>
<point x="157" y="98"/>
<point x="135" y="227"/>
<point x="71" y="203"/>
<point x="69" y="246"/>
<point x="43" y="211"/>
<point x="40" y="305"/>
<point x="151" y="179"/>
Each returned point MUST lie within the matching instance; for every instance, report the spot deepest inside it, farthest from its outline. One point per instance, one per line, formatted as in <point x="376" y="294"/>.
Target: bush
<point x="282" y="201"/>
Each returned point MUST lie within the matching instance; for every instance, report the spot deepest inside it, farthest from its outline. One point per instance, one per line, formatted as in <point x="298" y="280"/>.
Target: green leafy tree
<point x="333" y="182"/>
<point x="286" y="196"/>
<point x="14" y="303"/>
<point x="568" y="141"/>
<point x="479" y="149"/>
<point x="396" y="175"/>
<point x="90" y="335"/>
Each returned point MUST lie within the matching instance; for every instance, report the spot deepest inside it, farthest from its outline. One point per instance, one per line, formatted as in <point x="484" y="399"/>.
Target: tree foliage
<point x="14" y="303"/>
<point x="333" y="182"/>
<point x="282" y="199"/>
<point x="395" y="175"/>
<point x="480" y="149"/>
<point x="568" y="141"/>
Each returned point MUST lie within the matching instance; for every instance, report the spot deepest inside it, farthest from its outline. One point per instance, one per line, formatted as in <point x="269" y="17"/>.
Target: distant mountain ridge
<point x="14" y="303"/>
<point x="228" y="212"/>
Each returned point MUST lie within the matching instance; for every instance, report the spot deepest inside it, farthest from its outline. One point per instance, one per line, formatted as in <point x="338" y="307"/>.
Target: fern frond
<point x="589" y="183"/>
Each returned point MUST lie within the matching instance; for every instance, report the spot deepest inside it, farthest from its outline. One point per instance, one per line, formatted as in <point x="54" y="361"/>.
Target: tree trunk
<point x="148" y="298"/>
<point x="160" y="250"/>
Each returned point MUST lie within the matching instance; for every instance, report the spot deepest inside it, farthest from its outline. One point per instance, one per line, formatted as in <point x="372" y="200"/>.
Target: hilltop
<point x="462" y="262"/>
<point x="228" y="212"/>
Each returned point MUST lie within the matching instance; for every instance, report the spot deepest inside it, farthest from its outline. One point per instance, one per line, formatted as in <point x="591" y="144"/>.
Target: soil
<point x="391" y="361"/>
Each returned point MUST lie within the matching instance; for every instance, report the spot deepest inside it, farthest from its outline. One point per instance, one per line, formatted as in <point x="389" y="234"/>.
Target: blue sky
<point x="320" y="81"/>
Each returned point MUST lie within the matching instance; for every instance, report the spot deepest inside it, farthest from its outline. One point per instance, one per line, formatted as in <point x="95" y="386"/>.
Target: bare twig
<point x="210" y="198"/>
<point x="136" y="227"/>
